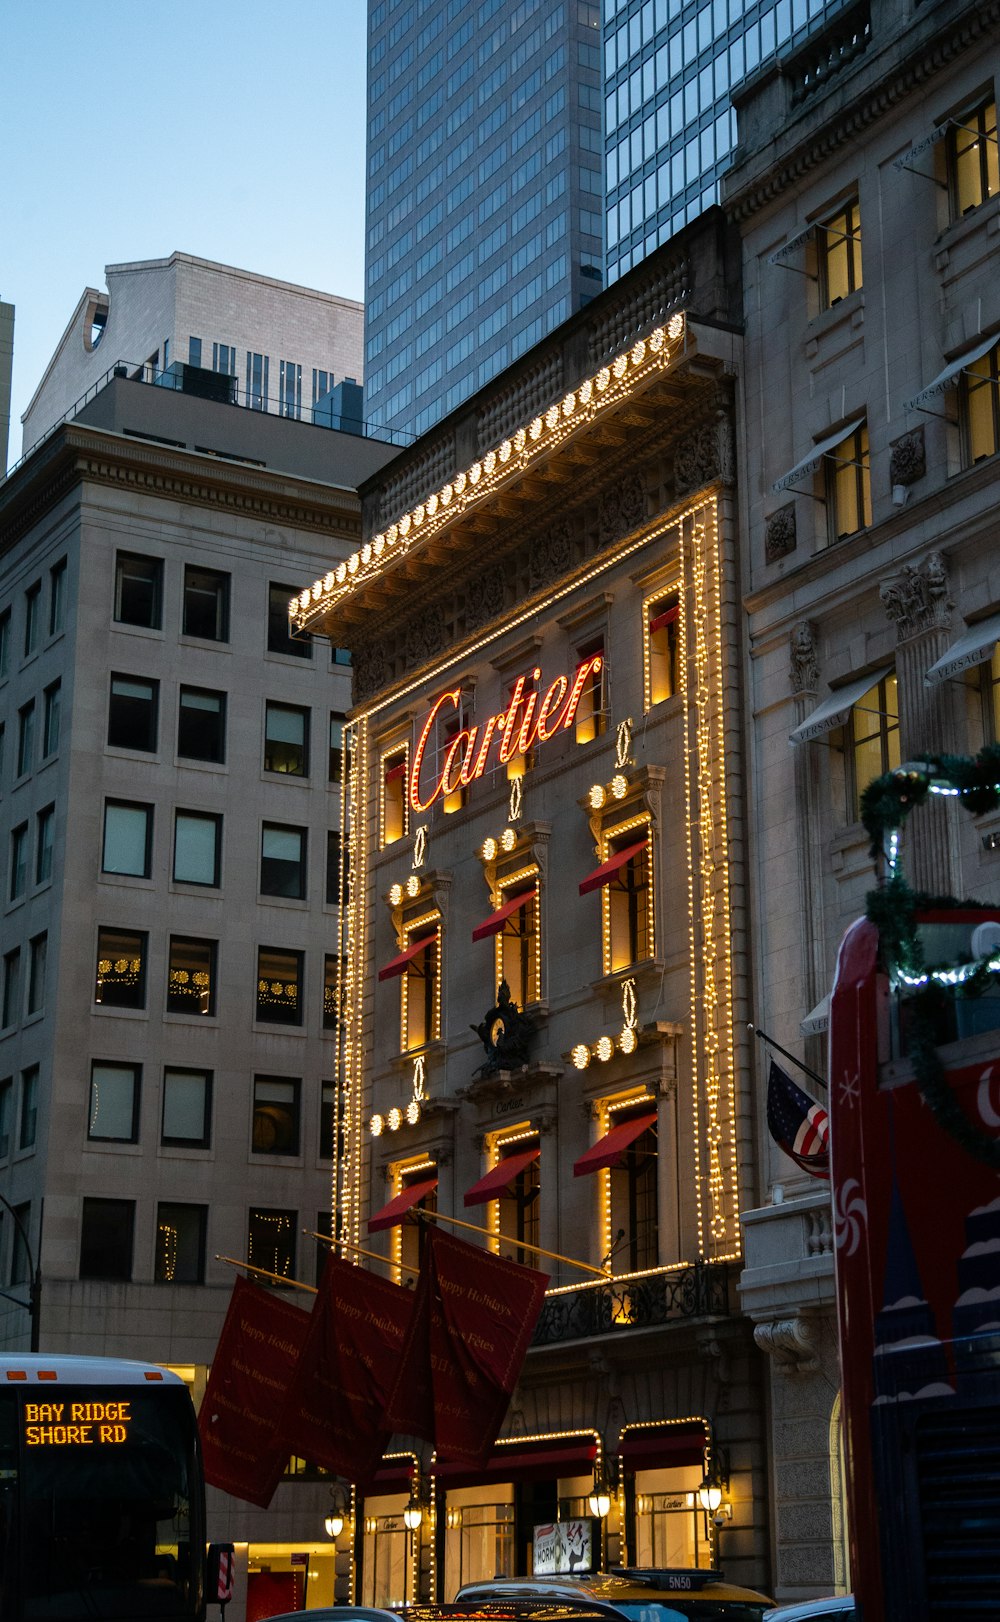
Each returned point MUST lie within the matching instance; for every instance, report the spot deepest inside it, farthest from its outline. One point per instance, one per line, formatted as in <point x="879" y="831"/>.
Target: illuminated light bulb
<point x="304" y="601"/>
<point x="638" y="353"/>
<point x="394" y="1120"/>
<point x="328" y="581"/>
<point x="597" y="796"/>
<point x="432" y="504"/>
<point x="404" y="524"/>
<point x="619" y="786"/>
<point x="552" y="416"/>
<point x="446" y="495"/>
<point x="459" y="483"/>
<point x="353" y="563"/>
<point x="293" y="606"/>
<point x="489" y="849"/>
<point x="475" y="472"/>
<point x="418" y="513"/>
<point x="489" y="461"/>
<point x="586" y="392"/>
<point x="675" y="326"/>
<point x="366" y="553"/>
<point x="396" y="894"/>
<point x="656" y="340"/>
<point x="508" y="839"/>
<point x="413" y="1111"/>
<point x="603" y="379"/>
<point x="604" y="1049"/>
<point x="413" y="886"/>
<point x="341" y="573"/>
<point x="520" y="439"/>
<point x="581" y="1056"/>
<point x="317" y="590"/>
<point x="505" y="450"/>
<point x="620" y="365"/>
<point x="628" y="1041"/>
<point x="378" y="545"/>
<point x="535" y="428"/>
<point x="392" y="534"/>
<point x="569" y="404"/>
<point x="377" y="1126"/>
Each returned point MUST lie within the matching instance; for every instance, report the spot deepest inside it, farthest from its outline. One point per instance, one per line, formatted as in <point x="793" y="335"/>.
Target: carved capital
<point x="918" y="600"/>
<point x="791" y="1342"/>
<point x="803" y="658"/>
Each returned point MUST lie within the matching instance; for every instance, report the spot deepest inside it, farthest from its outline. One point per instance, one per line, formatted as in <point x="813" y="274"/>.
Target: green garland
<point x="888" y="800"/>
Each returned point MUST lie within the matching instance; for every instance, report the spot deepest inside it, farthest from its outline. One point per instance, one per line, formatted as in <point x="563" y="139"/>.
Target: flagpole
<point x="372" y="1255"/>
<point x="785" y="1053"/>
<point x="278" y="1278"/>
<point x="520" y="1244"/>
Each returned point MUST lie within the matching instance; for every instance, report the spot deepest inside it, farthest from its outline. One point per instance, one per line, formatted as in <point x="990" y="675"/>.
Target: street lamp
<point x="713" y="1490"/>
<point x="337" y="1518"/>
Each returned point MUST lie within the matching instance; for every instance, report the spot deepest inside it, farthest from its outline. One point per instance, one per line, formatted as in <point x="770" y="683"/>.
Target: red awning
<point x="394" y="1213"/>
<point x="496" y="920"/>
<point x="392" y="772"/>
<point x="666" y="618"/>
<point x="607" y="1150"/>
<point x="398" y="964"/>
<point x="524" y="1461"/>
<point x="664" y="1446"/>
<point x="501" y="1177"/>
<point x="605" y="873"/>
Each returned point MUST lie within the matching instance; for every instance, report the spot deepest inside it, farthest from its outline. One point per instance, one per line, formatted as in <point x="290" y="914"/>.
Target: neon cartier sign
<point x="524" y="722"/>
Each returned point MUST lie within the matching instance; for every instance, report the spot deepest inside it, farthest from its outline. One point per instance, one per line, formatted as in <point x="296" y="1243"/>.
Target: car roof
<point x="625" y="1585"/>
<point x="813" y="1610"/>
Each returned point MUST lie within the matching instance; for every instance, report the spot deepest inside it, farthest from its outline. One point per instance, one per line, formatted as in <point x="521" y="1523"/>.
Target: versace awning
<point x="971" y="648"/>
<point x="952" y="372"/>
<point x="818" y="1019"/>
<point x="810" y="463"/>
<point x="609" y="1149"/>
<point x="834" y="711"/>
<point x="606" y="872"/>
<point x="398" y="1209"/>
<point x="500" y="1177"/>
<point x="397" y="965"/>
<point x="496" y="920"/>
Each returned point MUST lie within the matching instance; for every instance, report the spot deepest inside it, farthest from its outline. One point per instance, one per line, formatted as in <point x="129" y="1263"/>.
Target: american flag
<point x="797" y="1124"/>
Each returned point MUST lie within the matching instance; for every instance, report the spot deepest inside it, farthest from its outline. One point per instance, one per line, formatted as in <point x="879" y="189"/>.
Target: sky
<point x="229" y="129"/>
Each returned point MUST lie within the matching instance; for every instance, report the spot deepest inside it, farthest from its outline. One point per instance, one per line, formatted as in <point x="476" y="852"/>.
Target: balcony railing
<point x="639" y="1301"/>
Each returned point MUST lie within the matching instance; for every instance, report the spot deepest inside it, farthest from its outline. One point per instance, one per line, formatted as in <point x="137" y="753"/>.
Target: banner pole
<point x="520" y="1244"/>
<point x="771" y="1043"/>
<point x="345" y="1244"/>
<point x="278" y="1278"/>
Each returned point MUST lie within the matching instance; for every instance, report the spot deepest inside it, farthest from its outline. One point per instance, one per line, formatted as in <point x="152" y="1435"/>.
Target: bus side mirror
<point x="219" y="1566"/>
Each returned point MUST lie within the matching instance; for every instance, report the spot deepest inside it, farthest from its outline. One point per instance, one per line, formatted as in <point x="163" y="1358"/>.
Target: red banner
<point x="473" y="1319"/>
<point x="244" y="1450"/>
<point x="335" y="1415"/>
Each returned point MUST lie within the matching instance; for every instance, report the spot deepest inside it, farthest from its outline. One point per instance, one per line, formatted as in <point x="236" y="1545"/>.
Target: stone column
<point x="807" y="765"/>
<point x="919" y="603"/>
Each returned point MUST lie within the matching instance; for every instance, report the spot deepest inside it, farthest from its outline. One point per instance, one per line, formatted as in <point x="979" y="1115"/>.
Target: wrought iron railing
<point x="640" y="1301"/>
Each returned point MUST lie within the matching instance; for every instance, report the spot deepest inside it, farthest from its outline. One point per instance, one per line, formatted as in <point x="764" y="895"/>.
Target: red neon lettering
<point x="588" y="668"/>
<point x="508" y="746"/>
<point x="553" y="697"/>
<point x="454" y="698"/>
<point x="484" y="748"/>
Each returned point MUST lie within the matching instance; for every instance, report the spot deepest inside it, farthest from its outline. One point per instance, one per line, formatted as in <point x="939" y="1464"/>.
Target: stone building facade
<point x="866" y="194"/>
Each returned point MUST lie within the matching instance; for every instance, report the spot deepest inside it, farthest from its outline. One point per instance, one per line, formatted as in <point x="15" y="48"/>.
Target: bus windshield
<point x="100" y="1513"/>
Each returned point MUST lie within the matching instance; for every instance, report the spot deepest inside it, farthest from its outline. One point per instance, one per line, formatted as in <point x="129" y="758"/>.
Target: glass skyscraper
<point x="485" y="192"/>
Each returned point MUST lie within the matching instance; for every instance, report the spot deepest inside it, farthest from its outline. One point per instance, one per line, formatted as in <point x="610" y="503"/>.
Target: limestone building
<point x="870" y="578"/>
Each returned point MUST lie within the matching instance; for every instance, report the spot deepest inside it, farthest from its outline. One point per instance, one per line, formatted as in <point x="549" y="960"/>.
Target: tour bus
<point x="101" y="1495"/>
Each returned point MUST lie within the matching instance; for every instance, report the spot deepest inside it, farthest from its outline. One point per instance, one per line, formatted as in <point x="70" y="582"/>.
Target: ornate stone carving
<point x="697" y="459"/>
<point x="779" y="534"/>
<point x="907" y="458"/>
<point x="918" y="600"/>
<point x="505" y="1034"/>
<point x="621" y="509"/>
<point x="791" y="1342"/>
<point x="484" y="597"/>
<point x="371" y="669"/>
<point x="804" y="662"/>
<point x="550" y="556"/>
<point x="425" y="635"/>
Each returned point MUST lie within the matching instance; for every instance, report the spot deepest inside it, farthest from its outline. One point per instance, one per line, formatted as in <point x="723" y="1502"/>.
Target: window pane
<point x="6" y="1113"/>
<point x="137" y="590"/>
<point x="279" y="638"/>
<point x="275" y="1115"/>
<point x="180" y="1244"/>
<point x="286" y="738"/>
<point x="282" y="861"/>
<point x="114" y="1092"/>
<point x="271" y="1240"/>
<point x="32" y="617"/>
<point x="53" y="704"/>
<point x="18" y="861"/>
<point x="201" y="724"/>
<point x="121" y="969"/>
<point x="11" y="987"/>
<point x="332" y="867"/>
<point x="187" y="1096"/>
<point x="196" y="849"/>
<point x="206" y="604"/>
<point x="132" y="713"/>
<point x="191" y="977"/>
<point x="57" y="598"/>
<point x="25" y="739"/>
<point x="127" y="830"/>
<point x="29" y="1107"/>
<point x="37" y="960"/>
<point x="336" y="747"/>
<point x="330" y="1002"/>
<point x="106" y="1239"/>
<point x="278" y="986"/>
<point x="43" y="844"/>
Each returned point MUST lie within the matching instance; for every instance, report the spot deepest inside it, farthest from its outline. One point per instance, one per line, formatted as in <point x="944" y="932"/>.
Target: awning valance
<point x="496" y="920"/>
<point x="500" y="1177"/>
<point x="606" y="872"/>
<point x="524" y="1461"/>
<point x="668" y="616"/>
<point x="952" y="372"/>
<point x="399" y="1207"/>
<point x="397" y="965"/>
<point x="818" y="1019"/>
<point x="835" y="710"/>
<point x="663" y="1446"/>
<point x="971" y="648"/>
<point x="607" y="1150"/>
<point x="810" y="463"/>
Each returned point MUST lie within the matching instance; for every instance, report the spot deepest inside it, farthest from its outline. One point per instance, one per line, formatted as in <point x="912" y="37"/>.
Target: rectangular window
<point x="187" y="1109"/>
<point x="29" y="1108"/>
<point x="328" y="1113"/>
<point x="336" y="747"/>
<point x="591" y="712"/>
<point x="276" y="1115"/>
<point x="6" y="1112"/>
<point x="332" y="867"/>
<point x="114" y="1103"/>
<point x="106" y="1239"/>
<point x="420" y="992"/>
<point x="279" y="986"/>
<point x="206" y="604"/>
<point x="45" y="828"/>
<point x="25" y="739"/>
<point x="662" y="616"/>
<point x="258" y="367"/>
<point x="18" y="862"/>
<point x="279" y="636"/>
<point x="20" y="1259"/>
<point x="331" y="1005"/>
<point x="32" y="617"/>
<point x="201" y="725"/>
<point x="271" y="1240"/>
<point x="517" y="952"/>
<point x="132" y="713"/>
<point x="197" y="848"/>
<point x="873" y="737"/>
<point x="290" y="388"/>
<point x="980" y="405"/>
<point x="128" y="838"/>
<point x="138" y="590"/>
<point x="224" y="359"/>
<point x="4" y="643"/>
<point x="191" y="976"/>
<point x="848" y="485"/>
<point x="839" y="244"/>
<point x="629" y="906"/>
<point x="51" y="719"/>
<point x="393" y="799"/>
<point x="972" y="157"/>
<point x="121" y="969"/>
<point x="180" y="1244"/>
<point x="37" y="955"/>
<point x="283" y="861"/>
<point x="57" y="598"/>
<point x="518" y="1205"/>
<point x="11" y="987"/>
<point x="286" y="740"/>
<point x="633" y="1198"/>
<point x="194" y="352"/>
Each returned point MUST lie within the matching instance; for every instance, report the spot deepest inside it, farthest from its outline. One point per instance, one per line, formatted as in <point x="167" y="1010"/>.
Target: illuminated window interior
<point x="972" y="157"/>
<point x="629" y="903"/>
<point x="517" y="1207"/>
<point x="517" y="943"/>
<point x="662" y="627"/>
<point x="420" y="988"/>
<point x="849" y="495"/>
<point x="633" y="1197"/>
<point x="413" y="1232"/>
<point x="874" y="736"/>
<point x="393" y="804"/>
<point x="591" y="712"/>
<point x="840" y="253"/>
<point x="981" y="400"/>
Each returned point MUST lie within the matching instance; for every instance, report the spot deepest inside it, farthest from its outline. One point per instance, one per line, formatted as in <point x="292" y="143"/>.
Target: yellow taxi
<point x="643" y="1594"/>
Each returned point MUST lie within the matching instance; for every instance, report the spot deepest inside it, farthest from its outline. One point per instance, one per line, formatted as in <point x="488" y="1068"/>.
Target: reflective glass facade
<point x="485" y="192"/>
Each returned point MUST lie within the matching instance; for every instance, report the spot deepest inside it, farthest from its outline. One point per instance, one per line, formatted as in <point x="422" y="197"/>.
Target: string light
<point x="580" y="1056"/>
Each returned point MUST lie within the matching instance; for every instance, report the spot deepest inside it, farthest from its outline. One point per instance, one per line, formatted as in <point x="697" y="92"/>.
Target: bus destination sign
<point x="76" y="1424"/>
